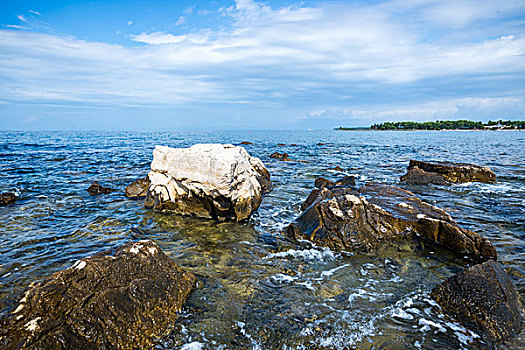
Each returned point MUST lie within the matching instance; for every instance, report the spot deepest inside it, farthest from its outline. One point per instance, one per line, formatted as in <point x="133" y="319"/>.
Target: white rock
<point x="207" y="180"/>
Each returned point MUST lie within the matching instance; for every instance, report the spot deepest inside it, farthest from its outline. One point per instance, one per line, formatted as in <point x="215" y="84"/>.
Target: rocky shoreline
<point x="96" y="302"/>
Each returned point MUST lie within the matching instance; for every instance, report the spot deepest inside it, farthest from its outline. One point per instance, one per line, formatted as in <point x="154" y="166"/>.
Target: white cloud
<point x="464" y="108"/>
<point x="15" y="26"/>
<point x="129" y="23"/>
<point x="35" y="12"/>
<point x="188" y="10"/>
<point x="336" y="54"/>
<point x="180" y="21"/>
<point x="22" y="18"/>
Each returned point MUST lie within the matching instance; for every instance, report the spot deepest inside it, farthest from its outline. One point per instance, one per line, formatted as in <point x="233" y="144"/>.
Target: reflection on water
<point x="257" y="289"/>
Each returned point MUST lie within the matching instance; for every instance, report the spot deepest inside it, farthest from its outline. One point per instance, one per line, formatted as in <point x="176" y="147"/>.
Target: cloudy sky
<point x="245" y="64"/>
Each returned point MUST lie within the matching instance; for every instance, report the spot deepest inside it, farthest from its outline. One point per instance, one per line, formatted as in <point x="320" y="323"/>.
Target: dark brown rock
<point x="346" y="181"/>
<point x="138" y="188"/>
<point x="97" y="188"/>
<point x="263" y="177"/>
<point x="338" y="168"/>
<point x="320" y="144"/>
<point x="122" y="299"/>
<point x="7" y="198"/>
<point x="482" y="297"/>
<point x="277" y="155"/>
<point x="281" y="144"/>
<point x="343" y="218"/>
<point x="420" y="172"/>
<point x="417" y="176"/>
<point x="246" y="143"/>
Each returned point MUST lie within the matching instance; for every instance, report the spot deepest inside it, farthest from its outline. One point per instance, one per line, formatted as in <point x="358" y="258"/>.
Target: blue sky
<point x="177" y="65"/>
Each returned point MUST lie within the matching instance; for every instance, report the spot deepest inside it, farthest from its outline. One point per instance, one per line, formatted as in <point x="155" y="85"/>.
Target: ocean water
<point x="257" y="289"/>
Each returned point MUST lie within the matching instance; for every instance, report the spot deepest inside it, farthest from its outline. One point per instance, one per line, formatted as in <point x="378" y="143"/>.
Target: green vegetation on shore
<point x="446" y="125"/>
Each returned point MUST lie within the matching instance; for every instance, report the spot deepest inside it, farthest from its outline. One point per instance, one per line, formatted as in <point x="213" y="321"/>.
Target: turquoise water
<point x="256" y="289"/>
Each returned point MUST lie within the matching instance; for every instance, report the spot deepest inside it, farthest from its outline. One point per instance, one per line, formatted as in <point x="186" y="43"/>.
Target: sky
<point x="246" y="64"/>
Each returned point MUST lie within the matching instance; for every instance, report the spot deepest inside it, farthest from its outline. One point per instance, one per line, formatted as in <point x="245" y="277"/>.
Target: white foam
<point x="282" y="278"/>
<point x="255" y="345"/>
<point x="331" y="272"/>
<point x="306" y="254"/>
<point x="427" y="324"/>
<point x="402" y="314"/>
<point x="195" y="345"/>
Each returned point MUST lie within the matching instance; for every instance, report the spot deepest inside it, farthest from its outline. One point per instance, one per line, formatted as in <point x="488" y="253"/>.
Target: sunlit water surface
<point x="257" y="289"/>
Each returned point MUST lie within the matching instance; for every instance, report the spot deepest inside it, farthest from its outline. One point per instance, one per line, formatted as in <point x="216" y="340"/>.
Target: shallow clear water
<point x="256" y="289"/>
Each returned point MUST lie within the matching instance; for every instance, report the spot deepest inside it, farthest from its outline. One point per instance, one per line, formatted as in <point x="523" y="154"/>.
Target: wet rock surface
<point x="97" y="188"/>
<point x="344" y="218"/>
<point x="138" y="188"/>
<point x="483" y="298"/>
<point x="7" y="198"/>
<point x="122" y="299"/>
<point x="420" y="172"/>
<point x="347" y="181"/>
<point x="213" y="181"/>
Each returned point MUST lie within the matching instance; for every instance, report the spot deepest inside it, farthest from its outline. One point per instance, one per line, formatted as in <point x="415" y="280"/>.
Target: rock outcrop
<point x="7" y="198"/>
<point x="214" y="181"/>
<point x="138" y="188"/>
<point x="482" y="297"/>
<point x="122" y="299"/>
<point x="97" y="188"/>
<point x="419" y="172"/>
<point x="343" y="218"/>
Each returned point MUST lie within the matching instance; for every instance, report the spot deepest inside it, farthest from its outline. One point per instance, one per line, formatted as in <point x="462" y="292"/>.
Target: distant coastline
<point x="445" y="125"/>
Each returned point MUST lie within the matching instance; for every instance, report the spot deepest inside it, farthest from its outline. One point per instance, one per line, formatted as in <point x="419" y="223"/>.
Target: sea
<point x="257" y="289"/>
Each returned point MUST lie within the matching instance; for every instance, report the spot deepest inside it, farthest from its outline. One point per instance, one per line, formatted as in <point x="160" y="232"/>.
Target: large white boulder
<point x="213" y="181"/>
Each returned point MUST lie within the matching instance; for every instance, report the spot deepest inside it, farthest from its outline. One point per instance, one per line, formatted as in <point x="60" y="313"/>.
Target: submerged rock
<point x="7" y="198"/>
<point x="122" y="299"/>
<point x="343" y="218"/>
<point x="97" y="188"/>
<point x="138" y="188"/>
<point x="420" y="172"/>
<point x="484" y="298"/>
<point x="214" y="181"/>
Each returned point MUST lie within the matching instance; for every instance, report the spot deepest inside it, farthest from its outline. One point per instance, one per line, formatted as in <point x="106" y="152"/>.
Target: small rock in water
<point x="344" y="218"/>
<point x="484" y="298"/>
<point x="138" y="188"/>
<point x="277" y="155"/>
<point x="246" y="143"/>
<point x="281" y="144"/>
<point x="346" y="181"/>
<point x="420" y="172"/>
<point x="7" y="198"/>
<point x="213" y="181"/>
<point x="97" y="188"/>
<point x="338" y="168"/>
<point x="122" y="299"/>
